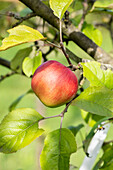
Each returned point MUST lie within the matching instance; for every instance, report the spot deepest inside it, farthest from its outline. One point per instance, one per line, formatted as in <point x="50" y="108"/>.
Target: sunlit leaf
<point x="20" y="34"/>
<point x="97" y="76"/>
<point x="90" y="118"/>
<point x="93" y="33"/>
<point x="57" y="150"/>
<point x="106" y="161"/>
<point x="18" y="129"/>
<point x="77" y="51"/>
<point x="59" y="7"/>
<point x="103" y="3"/>
<point x="97" y="100"/>
<point x="31" y="64"/>
<point x="15" y="103"/>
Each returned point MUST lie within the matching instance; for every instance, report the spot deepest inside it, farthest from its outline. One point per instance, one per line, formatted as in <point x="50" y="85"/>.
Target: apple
<point x="54" y="84"/>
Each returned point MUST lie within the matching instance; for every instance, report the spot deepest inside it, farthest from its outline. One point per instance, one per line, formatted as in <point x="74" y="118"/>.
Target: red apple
<point x="54" y="83"/>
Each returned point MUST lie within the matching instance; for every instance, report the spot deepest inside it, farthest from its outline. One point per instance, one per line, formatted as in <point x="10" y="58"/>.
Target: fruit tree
<point x="56" y="66"/>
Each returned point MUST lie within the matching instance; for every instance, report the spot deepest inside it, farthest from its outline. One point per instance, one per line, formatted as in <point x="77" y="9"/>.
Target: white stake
<point x="94" y="148"/>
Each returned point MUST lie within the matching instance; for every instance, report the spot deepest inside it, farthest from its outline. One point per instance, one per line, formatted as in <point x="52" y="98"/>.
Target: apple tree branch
<point x="71" y="32"/>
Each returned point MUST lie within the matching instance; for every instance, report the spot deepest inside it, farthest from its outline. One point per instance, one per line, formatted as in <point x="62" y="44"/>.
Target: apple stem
<point x="66" y="55"/>
<point x="61" y="40"/>
<point x="62" y="46"/>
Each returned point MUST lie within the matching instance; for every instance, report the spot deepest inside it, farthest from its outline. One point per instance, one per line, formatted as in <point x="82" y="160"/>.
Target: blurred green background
<point x="16" y="85"/>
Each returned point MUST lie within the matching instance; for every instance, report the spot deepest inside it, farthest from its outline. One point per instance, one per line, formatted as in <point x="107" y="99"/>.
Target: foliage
<point x="59" y="7"/>
<point x="93" y="33"/>
<point x="18" y="129"/>
<point x="59" y="145"/>
<point x="30" y="64"/>
<point x="20" y="34"/>
<point x="94" y="98"/>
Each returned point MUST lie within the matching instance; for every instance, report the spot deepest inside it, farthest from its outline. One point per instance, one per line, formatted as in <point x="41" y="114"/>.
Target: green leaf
<point x="75" y="129"/>
<point x="31" y="64"/>
<point x="103" y="3"/>
<point x="97" y="76"/>
<point x="93" y="33"/>
<point x="16" y="62"/>
<point x="18" y="129"/>
<point x="75" y="49"/>
<point x="58" y="147"/>
<point x="19" y="35"/>
<point x="90" y="118"/>
<point x="14" y="104"/>
<point x="59" y="7"/>
<point x="97" y="100"/>
<point x="106" y="161"/>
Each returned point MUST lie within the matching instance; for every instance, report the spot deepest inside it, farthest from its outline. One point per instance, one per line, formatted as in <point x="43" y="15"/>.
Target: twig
<point x="61" y="114"/>
<point x="65" y="52"/>
<point x="61" y="41"/>
<point x="51" y="48"/>
<point x="14" y="15"/>
<point x="66" y="55"/>
<point x="85" y="10"/>
<point x="107" y="142"/>
<point x="52" y="44"/>
<point x="62" y="117"/>
<point x="72" y="32"/>
<point x="62" y="46"/>
<point x="21" y="19"/>
<point x="61" y="121"/>
<point x="2" y="77"/>
<point x="5" y="63"/>
<point x="73" y="56"/>
<point x="51" y="117"/>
